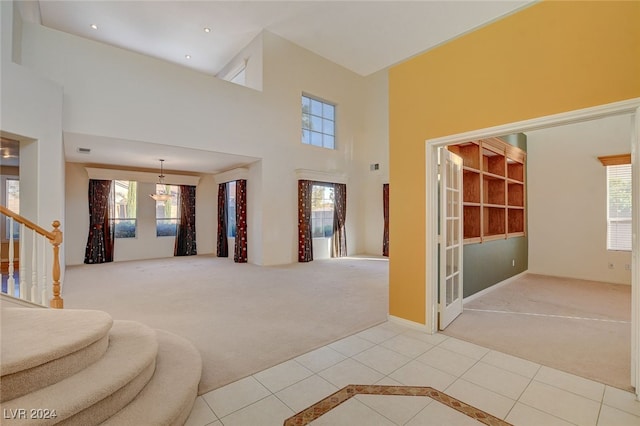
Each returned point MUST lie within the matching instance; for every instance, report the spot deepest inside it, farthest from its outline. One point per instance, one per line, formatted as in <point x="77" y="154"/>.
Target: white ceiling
<point x="127" y="153"/>
<point x="363" y="36"/>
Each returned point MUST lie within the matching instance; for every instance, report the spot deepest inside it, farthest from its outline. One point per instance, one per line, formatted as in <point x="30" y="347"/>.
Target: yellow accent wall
<point x="549" y="58"/>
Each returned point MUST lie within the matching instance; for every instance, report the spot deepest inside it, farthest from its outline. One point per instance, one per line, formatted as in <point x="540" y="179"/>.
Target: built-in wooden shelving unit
<point x="494" y="189"/>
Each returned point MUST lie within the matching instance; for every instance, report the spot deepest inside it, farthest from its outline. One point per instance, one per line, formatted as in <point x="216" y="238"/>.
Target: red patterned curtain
<point x="186" y="233"/>
<point x="223" y="244"/>
<point x="240" y="250"/>
<point x="339" y="239"/>
<point x="385" y="204"/>
<point x="305" y="244"/>
<point x="101" y="231"/>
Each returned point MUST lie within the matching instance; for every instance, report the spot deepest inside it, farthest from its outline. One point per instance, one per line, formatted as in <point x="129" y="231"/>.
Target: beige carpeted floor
<point x="581" y="327"/>
<point x="242" y="318"/>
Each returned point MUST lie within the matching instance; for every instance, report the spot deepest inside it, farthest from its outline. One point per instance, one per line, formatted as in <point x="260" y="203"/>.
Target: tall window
<point x="322" y="203"/>
<point x="619" y="207"/>
<point x="12" y="191"/>
<point x="125" y="195"/>
<point x="167" y="211"/>
<point x="231" y="209"/>
<point x="318" y="123"/>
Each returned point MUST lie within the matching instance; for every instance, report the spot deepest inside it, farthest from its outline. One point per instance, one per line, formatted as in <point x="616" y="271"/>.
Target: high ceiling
<point x="363" y="36"/>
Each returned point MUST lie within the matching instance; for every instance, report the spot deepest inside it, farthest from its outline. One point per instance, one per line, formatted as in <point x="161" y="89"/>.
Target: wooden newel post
<point x="57" y="301"/>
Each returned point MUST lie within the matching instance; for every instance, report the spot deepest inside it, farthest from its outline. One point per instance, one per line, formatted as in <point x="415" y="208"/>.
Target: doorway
<point x="624" y="107"/>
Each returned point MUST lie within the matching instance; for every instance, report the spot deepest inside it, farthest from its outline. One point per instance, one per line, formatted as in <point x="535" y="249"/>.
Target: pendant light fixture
<point x="161" y="195"/>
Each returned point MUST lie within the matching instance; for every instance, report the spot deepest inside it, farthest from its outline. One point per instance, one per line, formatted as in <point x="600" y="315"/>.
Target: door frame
<point x="631" y="106"/>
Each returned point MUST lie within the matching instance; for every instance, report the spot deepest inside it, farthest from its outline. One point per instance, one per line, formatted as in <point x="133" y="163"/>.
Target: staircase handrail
<point x="55" y="238"/>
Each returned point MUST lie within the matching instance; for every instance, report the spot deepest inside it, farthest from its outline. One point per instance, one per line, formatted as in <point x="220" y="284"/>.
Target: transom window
<point x="318" y="123"/>
<point x="619" y="207"/>
<point x="125" y="206"/>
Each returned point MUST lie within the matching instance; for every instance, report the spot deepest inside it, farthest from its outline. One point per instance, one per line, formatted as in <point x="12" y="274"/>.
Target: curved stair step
<point x="41" y="347"/>
<point x="169" y="396"/>
<point x="103" y="388"/>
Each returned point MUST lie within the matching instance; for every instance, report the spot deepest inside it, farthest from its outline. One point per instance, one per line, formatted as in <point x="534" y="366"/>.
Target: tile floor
<point x="518" y="391"/>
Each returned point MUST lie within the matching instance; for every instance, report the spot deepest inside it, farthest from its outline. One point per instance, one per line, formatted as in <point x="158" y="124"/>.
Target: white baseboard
<point x="493" y="287"/>
<point x="407" y="323"/>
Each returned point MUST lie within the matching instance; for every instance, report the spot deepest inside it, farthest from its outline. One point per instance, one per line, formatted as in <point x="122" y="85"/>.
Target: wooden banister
<point x="55" y="238"/>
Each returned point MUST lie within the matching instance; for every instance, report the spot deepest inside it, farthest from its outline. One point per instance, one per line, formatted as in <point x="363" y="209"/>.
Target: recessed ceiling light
<point x="207" y="29"/>
<point x="94" y="26"/>
<point x="187" y="56"/>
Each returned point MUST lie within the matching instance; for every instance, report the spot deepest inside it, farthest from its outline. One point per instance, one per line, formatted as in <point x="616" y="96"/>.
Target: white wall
<point x="115" y="93"/>
<point x="567" y="200"/>
<point x="374" y="149"/>
<point x="31" y="111"/>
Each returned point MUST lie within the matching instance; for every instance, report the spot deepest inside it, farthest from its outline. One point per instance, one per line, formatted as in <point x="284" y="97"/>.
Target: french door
<point x="450" y="297"/>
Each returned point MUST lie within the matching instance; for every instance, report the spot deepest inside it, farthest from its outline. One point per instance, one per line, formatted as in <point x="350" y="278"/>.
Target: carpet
<point x="242" y="318"/>
<point x="327" y="404"/>
<point x="577" y="326"/>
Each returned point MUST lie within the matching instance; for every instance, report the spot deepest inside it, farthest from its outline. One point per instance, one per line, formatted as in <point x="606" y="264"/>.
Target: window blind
<point x="619" y="207"/>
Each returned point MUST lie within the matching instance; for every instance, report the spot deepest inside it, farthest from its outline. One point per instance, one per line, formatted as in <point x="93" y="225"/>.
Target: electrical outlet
<point x="513" y="262"/>
<point x="627" y="267"/>
<point x="610" y="265"/>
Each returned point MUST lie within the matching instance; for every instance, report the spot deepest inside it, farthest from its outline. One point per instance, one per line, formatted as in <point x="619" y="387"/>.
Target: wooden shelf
<point x="472" y="220"/>
<point x="515" y="219"/>
<point x="494" y="190"/>
<point x="515" y="170"/>
<point x="470" y="153"/>
<point x="471" y="186"/>
<point x="493" y="221"/>
<point x="515" y="195"/>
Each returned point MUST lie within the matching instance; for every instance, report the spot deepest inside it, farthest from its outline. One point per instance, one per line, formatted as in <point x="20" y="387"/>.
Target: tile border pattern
<point x="316" y="410"/>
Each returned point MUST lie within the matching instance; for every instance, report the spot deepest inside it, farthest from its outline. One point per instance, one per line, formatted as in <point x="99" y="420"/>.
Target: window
<point x="125" y="194"/>
<point x="318" y="123"/>
<point x="322" y="211"/>
<point x="167" y="211"/>
<point x="231" y="209"/>
<point x="619" y="207"/>
<point x="12" y="191"/>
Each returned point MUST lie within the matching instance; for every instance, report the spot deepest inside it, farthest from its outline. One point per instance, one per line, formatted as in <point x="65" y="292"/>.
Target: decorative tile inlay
<point x="332" y="401"/>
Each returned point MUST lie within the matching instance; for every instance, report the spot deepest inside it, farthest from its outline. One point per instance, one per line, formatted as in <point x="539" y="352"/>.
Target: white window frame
<point x="327" y="187"/>
<point x="619" y="228"/>
<point x="326" y="121"/>
<point x="5" y="223"/>
<point x="175" y="191"/>
<point x="134" y="219"/>
<point x="231" y="218"/>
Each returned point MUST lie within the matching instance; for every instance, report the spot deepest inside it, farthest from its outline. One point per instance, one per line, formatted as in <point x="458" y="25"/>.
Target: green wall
<point x="486" y="264"/>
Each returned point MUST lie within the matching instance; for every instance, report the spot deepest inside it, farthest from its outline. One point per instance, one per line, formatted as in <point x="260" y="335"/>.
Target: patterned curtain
<point x="240" y="249"/>
<point x="385" y="204"/>
<point x="305" y="244"/>
<point x="101" y="230"/>
<point x="223" y="244"/>
<point x="186" y="232"/>
<point x="339" y="240"/>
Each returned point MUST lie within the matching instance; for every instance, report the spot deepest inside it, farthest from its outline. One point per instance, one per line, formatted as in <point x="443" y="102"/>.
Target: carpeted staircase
<point x="81" y="367"/>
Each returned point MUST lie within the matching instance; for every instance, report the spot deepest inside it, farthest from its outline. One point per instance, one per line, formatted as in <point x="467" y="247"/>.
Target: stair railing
<point x="34" y="292"/>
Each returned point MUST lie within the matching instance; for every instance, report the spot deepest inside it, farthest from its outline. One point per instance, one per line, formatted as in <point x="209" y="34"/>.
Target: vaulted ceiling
<point x="363" y="36"/>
